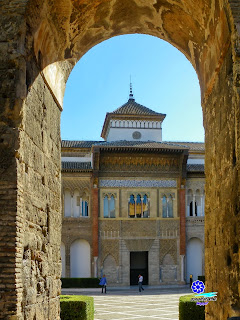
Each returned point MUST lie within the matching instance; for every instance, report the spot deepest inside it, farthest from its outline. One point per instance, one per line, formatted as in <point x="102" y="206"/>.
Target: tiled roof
<point x="78" y="144"/>
<point x="193" y="146"/>
<point x="195" y="167"/>
<point x="132" y="107"/>
<point x="75" y="166"/>
<point x="141" y="144"/>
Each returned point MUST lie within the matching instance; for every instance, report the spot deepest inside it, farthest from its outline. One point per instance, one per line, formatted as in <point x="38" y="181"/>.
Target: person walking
<point x="140" y="281"/>
<point x="191" y="280"/>
<point x="103" y="283"/>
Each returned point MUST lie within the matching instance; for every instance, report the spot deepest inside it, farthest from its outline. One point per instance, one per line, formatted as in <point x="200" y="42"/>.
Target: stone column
<point x="201" y="213"/>
<point x="193" y="205"/>
<point x="95" y="269"/>
<point x="203" y="205"/>
<point x="182" y="261"/>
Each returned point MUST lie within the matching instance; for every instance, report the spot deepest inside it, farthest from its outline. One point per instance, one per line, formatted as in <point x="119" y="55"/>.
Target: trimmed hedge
<point x="76" y="308"/>
<point x="201" y="278"/>
<point x="188" y="310"/>
<point x="80" y="283"/>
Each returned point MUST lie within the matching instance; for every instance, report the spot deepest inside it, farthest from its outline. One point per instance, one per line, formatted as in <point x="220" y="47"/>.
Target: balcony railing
<point x="195" y="220"/>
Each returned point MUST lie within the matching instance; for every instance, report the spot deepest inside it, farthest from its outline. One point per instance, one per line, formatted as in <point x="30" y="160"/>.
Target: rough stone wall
<point x="39" y="192"/>
<point x="222" y="217"/>
<point x="207" y="32"/>
<point x="11" y="73"/>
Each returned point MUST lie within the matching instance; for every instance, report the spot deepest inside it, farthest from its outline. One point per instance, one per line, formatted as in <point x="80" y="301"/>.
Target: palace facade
<point x="133" y="203"/>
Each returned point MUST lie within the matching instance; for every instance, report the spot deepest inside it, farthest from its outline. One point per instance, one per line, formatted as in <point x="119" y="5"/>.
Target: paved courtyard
<point x="129" y="304"/>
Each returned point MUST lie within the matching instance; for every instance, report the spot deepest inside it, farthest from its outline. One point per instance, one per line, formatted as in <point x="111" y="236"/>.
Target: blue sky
<point x="163" y="80"/>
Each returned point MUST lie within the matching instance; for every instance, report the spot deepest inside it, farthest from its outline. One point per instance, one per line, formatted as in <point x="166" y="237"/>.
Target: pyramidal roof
<point x="132" y="107"/>
<point x="134" y="110"/>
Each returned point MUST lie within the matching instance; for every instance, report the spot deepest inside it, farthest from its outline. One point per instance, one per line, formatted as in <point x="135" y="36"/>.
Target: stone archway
<point x="40" y="43"/>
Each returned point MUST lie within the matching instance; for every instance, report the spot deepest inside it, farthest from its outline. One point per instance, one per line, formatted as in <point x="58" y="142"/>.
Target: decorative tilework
<point x="138" y="183"/>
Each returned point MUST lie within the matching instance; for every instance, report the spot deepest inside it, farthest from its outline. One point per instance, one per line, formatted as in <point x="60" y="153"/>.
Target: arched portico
<point x="40" y="43"/>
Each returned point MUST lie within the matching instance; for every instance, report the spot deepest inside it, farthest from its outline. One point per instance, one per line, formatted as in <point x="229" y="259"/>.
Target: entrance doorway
<point x="138" y="265"/>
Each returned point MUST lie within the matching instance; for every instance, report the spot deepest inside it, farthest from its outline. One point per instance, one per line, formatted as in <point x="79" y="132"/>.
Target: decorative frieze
<point x="136" y="163"/>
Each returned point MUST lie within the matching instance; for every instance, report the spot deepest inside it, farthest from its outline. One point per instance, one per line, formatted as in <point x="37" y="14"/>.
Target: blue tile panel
<point x="138" y="183"/>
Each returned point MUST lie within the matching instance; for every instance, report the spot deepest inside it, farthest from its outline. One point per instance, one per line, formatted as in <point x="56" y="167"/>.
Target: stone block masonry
<point x="42" y="40"/>
<point x="40" y="204"/>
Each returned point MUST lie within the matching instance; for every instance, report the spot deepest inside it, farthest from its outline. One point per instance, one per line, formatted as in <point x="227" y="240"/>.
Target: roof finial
<point x="131" y="93"/>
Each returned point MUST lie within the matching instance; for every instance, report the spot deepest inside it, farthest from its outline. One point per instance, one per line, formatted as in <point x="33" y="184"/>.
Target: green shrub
<point x="201" y="278"/>
<point x="80" y="283"/>
<point x="76" y="308"/>
<point x="188" y="310"/>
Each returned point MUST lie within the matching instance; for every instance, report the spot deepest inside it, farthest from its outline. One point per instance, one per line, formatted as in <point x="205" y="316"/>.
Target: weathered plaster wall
<point x="42" y="38"/>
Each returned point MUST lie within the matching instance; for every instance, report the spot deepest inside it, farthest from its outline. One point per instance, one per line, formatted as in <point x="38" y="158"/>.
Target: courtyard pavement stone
<point x="128" y="304"/>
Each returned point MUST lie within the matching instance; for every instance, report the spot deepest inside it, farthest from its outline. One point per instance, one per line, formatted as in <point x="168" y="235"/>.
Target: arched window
<point x="164" y="206"/>
<point x="84" y="208"/>
<point x="145" y="206"/>
<point x="112" y="207"/>
<point x="170" y="207"/>
<point x="139" y="206"/>
<point x="131" y="206"/>
<point x="105" y="205"/>
<point x="167" y="206"/>
<point x="109" y="207"/>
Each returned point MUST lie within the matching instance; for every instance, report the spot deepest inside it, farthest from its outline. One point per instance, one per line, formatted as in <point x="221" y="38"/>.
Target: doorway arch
<point x="46" y="39"/>
<point x="194" y="259"/>
<point x="80" y="259"/>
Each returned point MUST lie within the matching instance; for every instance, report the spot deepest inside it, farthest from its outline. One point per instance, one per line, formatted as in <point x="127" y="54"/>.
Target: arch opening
<point x="57" y="36"/>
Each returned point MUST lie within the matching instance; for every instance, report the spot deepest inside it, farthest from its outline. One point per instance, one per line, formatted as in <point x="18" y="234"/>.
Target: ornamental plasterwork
<point x="83" y="186"/>
<point x="109" y="225"/>
<point x="138" y="229"/>
<point x="139" y="244"/>
<point x="110" y="247"/>
<point x="195" y="184"/>
<point x="137" y="183"/>
<point x="135" y="163"/>
<point x="168" y="246"/>
<point x="168" y="228"/>
<point x="168" y="194"/>
<point x="109" y="194"/>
